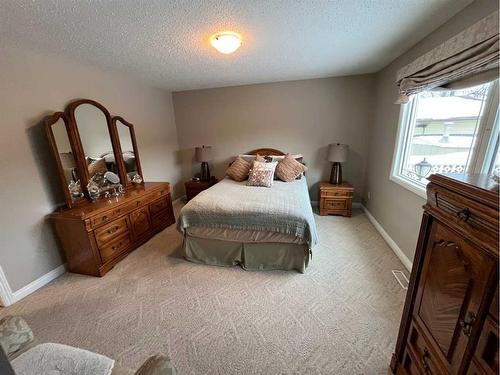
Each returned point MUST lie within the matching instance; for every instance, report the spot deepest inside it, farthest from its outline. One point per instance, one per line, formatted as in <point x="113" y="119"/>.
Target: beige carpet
<point x="341" y="317"/>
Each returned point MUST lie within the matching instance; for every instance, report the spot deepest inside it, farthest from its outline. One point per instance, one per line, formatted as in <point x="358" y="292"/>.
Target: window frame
<point x="483" y="151"/>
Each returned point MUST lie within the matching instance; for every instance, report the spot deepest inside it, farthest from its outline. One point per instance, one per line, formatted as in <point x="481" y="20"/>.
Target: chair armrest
<point x="157" y="365"/>
<point x="15" y="335"/>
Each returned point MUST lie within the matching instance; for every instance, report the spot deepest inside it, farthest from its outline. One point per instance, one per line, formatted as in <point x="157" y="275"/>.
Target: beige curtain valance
<point x="474" y="50"/>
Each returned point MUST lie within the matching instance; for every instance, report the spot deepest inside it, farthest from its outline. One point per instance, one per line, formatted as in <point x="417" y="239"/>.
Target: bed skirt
<point x="250" y="256"/>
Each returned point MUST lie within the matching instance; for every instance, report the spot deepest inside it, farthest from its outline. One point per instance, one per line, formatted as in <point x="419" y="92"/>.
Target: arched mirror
<point x="57" y="130"/>
<point x="128" y="146"/>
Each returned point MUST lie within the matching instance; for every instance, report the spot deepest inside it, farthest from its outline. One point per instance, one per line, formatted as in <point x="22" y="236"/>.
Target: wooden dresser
<point x="95" y="236"/>
<point x="450" y="318"/>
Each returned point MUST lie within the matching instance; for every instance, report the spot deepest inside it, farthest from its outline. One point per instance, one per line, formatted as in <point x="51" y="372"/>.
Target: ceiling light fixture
<point x="226" y="42"/>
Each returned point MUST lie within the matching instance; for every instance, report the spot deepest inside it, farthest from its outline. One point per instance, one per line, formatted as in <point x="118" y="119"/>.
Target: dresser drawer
<point x="111" y="231"/>
<point x="160" y="193"/>
<point x="115" y="248"/>
<point x="336" y="193"/>
<point x="335" y="204"/>
<point x="159" y="205"/>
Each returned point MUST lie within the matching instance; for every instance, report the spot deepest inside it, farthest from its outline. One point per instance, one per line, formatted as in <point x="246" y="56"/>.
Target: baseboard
<point x="392" y="244"/>
<point x="34" y="285"/>
<point x="6" y="297"/>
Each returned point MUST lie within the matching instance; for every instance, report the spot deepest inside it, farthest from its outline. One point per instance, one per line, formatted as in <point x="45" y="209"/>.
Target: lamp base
<point x="205" y="172"/>
<point x="336" y="174"/>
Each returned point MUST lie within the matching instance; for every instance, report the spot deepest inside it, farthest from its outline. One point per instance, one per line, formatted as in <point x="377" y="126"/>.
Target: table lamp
<point x="204" y="155"/>
<point x="337" y="153"/>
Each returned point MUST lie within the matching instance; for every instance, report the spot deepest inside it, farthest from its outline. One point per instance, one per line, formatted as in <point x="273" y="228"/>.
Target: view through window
<point x="444" y="131"/>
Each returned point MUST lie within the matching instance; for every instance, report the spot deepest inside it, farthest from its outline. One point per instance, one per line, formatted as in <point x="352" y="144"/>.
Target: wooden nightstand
<point x="335" y="199"/>
<point x="193" y="188"/>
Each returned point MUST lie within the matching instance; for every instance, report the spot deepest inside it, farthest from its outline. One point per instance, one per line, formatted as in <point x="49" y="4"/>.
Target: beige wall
<point x="296" y="116"/>
<point x="32" y="86"/>
<point x="398" y="210"/>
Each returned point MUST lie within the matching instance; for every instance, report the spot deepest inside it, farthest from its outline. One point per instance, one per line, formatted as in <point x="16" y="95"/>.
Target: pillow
<point x="97" y="166"/>
<point x="260" y="158"/>
<point x="260" y="177"/>
<point x="238" y="170"/>
<point x="289" y="169"/>
<point x="249" y="158"/>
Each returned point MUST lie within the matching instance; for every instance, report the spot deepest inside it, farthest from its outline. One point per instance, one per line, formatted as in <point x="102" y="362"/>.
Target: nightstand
<point x="335" y="199"/>
<point x="193" y="188"/>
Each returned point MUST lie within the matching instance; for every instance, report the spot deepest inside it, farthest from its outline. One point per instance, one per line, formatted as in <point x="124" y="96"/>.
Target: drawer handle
<point x="104" y="218"/>
<point x="467" y="323"/>
<point x="117" y="246"/>
<point x="113" y="230"/>
<point x="425" y="362"/>
<point x="463" y="215"/>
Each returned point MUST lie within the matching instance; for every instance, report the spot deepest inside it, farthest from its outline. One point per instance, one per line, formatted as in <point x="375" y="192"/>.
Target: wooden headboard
<point x="266" y="151"/>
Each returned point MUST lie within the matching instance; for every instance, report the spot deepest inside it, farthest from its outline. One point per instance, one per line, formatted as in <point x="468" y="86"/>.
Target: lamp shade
<point x="203" y="154"/>
<point x="337" y="152"/>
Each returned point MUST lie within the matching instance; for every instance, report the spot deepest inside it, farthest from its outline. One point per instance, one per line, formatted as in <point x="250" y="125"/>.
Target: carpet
<point x="340" y="317"/>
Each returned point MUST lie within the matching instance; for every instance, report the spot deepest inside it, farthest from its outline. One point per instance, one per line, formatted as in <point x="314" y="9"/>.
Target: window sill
<point x="414" y="188"/>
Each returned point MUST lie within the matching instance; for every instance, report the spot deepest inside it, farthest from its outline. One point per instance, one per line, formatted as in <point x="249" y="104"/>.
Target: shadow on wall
<point x="47" y="170"/>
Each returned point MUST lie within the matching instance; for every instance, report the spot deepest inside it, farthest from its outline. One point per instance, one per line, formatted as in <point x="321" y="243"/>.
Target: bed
<point x="254" y="227"/>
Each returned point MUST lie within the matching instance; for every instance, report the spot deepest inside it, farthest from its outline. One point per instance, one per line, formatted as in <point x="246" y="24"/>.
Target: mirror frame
<point x="130" y="126"/>
<point x="49" y="122"/>
<point x="83" y="171"/>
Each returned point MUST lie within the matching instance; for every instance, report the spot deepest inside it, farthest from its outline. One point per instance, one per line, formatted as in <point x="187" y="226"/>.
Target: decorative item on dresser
<point x="89" y="146"/>
<point x="194" y="187"/>
<point x="450" y="318"/>
<point x="335" y="199"/>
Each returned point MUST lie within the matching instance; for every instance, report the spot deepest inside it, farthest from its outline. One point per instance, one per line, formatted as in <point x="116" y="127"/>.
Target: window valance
<point x="474" y="50"/>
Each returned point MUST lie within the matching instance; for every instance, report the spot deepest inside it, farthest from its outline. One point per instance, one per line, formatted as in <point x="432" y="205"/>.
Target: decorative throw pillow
<point x="260" y="158"/>
<point x="260" y="177"/>
<point x="289" y="169"/>
<point x="97" y="166"/>
<point x="238" y="170"/>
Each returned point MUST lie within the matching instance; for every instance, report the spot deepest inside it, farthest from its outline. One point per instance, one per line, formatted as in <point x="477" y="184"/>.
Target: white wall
<point x="398" y="210"/>
<point x="32" y="86"/>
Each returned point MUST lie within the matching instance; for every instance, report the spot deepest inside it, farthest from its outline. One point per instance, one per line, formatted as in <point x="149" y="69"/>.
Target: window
<point x="447" y="131"/>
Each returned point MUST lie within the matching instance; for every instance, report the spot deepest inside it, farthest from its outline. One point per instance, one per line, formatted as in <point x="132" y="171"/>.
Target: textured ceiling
<point x="166" y="42"/>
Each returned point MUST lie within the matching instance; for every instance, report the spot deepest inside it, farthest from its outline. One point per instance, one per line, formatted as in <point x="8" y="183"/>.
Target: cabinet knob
<point x="464" y="214"/>
<point x="467" y="323"/>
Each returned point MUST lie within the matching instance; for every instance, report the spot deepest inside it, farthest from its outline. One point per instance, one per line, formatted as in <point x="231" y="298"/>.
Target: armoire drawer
<point x="111" y="231"/>
<point x="115" y="248"/>
<point x="423" y="354"/>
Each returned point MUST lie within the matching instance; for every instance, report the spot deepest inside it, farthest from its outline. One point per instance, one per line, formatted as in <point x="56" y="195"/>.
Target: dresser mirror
<point x="57" y="132"/>
<point x="130" y="155"/>
<point x="87" y="145"/>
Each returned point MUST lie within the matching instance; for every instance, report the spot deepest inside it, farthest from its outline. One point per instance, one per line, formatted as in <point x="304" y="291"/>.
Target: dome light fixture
<point x="226" y="42"/>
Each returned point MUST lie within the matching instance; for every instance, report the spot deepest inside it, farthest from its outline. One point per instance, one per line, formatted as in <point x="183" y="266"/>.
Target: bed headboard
<point x="266" y="151"/>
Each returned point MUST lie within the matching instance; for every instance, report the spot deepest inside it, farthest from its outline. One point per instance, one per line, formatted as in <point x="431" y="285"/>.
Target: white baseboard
<point x="8" y="297"/>
<point x="393" y="245"/>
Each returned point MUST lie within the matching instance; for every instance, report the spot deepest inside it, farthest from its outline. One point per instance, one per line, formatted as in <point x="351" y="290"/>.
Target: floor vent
<point x="401" y="278"/>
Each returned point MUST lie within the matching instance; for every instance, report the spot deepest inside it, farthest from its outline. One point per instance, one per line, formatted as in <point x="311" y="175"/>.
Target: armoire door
<point x="451" y="287"/>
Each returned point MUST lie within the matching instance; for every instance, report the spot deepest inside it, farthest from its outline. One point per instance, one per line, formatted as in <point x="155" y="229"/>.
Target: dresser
<point x="450" y="318"/>
<point x="96" y="235"/>
<point x="335" y="199"/>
